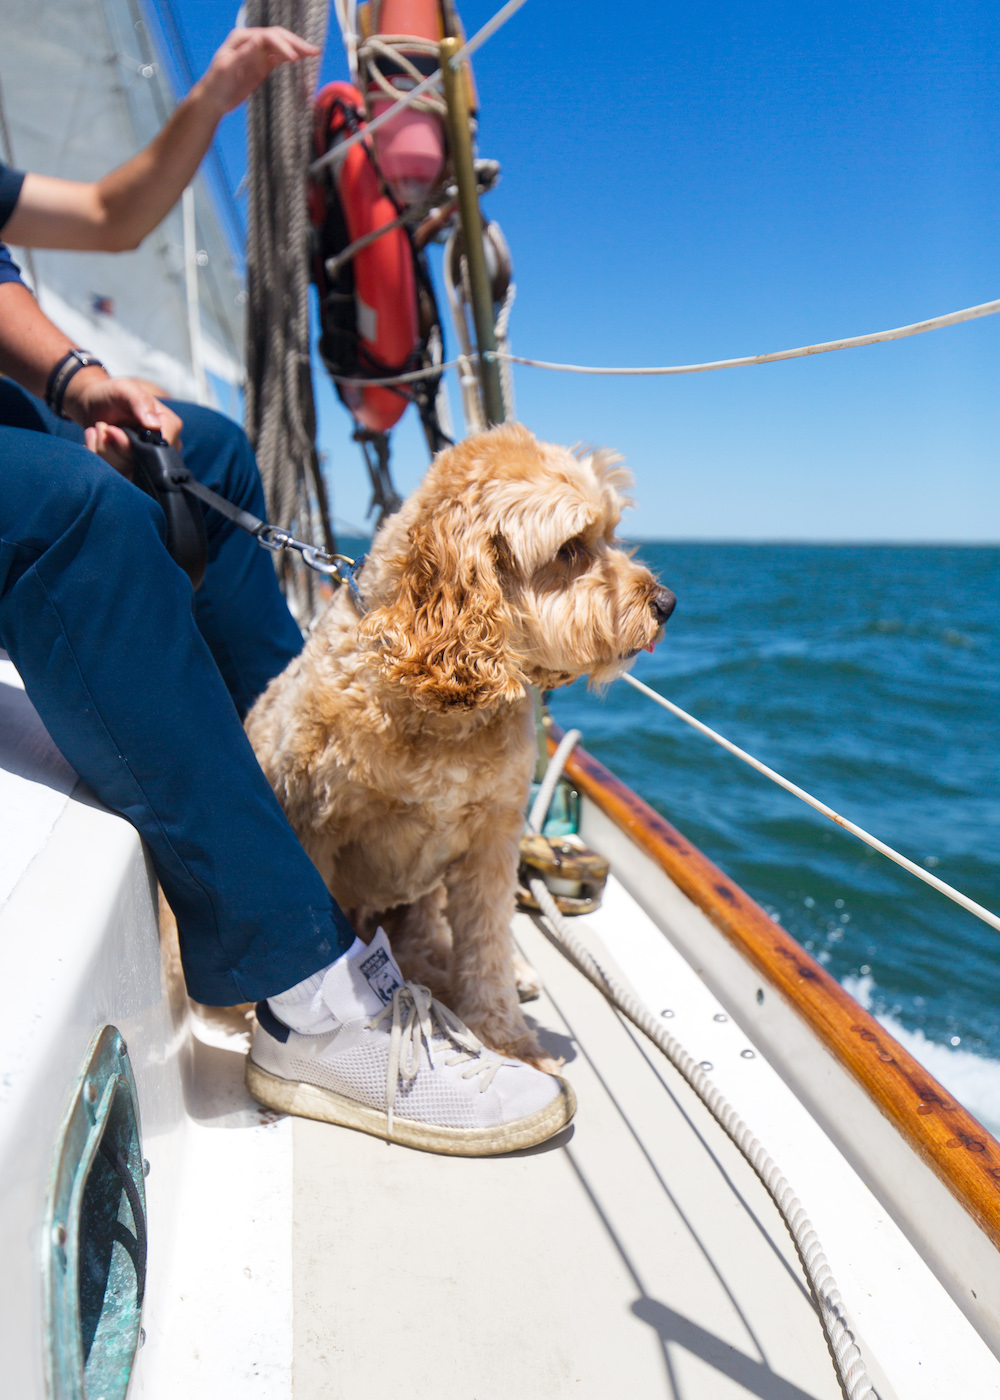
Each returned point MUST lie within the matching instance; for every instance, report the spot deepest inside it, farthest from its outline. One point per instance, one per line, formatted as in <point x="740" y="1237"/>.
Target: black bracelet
<point x="71" y="363"/>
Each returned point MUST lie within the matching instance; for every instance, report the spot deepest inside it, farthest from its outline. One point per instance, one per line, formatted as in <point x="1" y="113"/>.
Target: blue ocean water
<point x="870" y="676"/>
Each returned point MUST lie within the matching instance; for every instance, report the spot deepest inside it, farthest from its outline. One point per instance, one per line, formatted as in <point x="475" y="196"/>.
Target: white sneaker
<point x="401" y="1066"/>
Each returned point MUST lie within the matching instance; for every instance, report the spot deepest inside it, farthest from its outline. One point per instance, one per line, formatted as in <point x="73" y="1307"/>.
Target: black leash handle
<point x="161" y="473"/>
<point x="159" y="470"/>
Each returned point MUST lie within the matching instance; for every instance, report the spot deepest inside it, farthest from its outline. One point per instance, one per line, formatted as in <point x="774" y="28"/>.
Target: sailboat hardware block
<point x="573" y="873"/>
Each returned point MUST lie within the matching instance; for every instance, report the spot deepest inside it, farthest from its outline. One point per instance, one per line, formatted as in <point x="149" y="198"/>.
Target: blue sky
<point x="717" y="180"/>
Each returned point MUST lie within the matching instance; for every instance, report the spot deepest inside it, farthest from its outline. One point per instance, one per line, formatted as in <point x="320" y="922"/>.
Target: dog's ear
<point x="443" y="638"/>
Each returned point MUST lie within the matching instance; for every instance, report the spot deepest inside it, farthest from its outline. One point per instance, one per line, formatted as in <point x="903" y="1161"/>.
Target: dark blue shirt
<point x="10" y="189"/>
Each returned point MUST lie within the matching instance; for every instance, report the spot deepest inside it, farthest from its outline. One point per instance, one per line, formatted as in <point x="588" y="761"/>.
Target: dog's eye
<point x="569" y="553"/>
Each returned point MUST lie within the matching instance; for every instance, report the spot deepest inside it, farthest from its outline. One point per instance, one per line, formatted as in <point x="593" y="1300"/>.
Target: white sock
<point x="302" y="1007"/>
<point x="358" y="984"/>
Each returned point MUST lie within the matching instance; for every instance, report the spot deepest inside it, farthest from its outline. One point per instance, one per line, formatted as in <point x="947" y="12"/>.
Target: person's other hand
<point x="103" y="407"/>
<point x="246" y="58"/>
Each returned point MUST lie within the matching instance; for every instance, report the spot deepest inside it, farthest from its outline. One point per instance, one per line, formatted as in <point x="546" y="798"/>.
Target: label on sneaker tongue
<point x="381" y="975"/>
<point x="361" y="982"/>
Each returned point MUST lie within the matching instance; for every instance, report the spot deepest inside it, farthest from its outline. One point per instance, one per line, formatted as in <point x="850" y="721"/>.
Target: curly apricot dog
<point x="401" y="741"/>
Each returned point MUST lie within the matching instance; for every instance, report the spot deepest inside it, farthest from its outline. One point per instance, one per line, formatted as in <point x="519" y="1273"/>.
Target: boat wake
<point x="973" y="1079"/>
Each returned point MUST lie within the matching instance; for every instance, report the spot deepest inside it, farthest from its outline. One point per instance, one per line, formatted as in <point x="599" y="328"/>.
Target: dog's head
<point x="503" y="570"/>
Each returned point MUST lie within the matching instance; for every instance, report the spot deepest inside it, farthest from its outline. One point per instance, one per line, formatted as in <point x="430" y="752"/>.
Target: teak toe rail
<point x="956" y="1147"/>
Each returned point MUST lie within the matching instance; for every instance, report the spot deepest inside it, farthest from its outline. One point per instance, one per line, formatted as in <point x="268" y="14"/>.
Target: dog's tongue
<point x="651" y="648"/>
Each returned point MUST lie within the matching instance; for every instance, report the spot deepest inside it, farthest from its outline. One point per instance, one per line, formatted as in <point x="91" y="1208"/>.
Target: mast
<point x="460" y="138"/>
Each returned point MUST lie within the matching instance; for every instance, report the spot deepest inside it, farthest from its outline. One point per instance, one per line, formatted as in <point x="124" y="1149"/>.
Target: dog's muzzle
<point x="662" y="603"/>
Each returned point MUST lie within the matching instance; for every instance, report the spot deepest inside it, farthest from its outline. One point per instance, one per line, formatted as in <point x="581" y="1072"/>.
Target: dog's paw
<point x="526" y="979"/>
<point x="524" y="1046"/>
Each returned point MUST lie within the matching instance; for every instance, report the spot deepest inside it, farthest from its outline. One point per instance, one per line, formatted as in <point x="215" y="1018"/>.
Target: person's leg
<point x="97" y="619"/>
<point x="239" y="607"/>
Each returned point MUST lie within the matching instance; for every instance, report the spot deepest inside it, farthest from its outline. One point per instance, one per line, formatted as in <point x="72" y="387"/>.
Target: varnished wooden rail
<point x="956" y="1147"/>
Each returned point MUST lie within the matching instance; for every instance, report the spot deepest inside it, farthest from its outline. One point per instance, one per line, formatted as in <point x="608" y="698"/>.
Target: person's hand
<point x="103" y="407"/>
<point x="246" y="58"/>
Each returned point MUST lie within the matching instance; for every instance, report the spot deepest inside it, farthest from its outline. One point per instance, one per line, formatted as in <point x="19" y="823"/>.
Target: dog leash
<point x="161" y="473"/>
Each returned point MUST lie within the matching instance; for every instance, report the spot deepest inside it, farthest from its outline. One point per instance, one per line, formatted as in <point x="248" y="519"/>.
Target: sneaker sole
<point x="310" y="1101"/>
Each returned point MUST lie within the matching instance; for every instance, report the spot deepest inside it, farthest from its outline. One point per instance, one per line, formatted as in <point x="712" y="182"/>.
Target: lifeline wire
<point x="987" y="916"/>
<point x="847" y="1359"/>
<point x="954" y="318"/>
<point x="936" y="323"/>
<point x="336" y="153"/>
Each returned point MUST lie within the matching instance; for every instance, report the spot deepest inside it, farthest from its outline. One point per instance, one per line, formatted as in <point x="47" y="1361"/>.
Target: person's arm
<point x="115" y="213"/>
<point x="30" y="348"/>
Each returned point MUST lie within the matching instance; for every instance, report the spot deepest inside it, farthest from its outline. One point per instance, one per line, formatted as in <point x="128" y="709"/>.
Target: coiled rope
<point x="847" y="1359"/>
<point x="987" y="915"/>
<point x="429" y="84"/>
<point x="936" y="323"/>
<point x="395" y="49"/>
<point x="280" y="412"/>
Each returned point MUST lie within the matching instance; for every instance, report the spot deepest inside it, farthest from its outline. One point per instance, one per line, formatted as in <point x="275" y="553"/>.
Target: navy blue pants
<point x="144" y="694"/>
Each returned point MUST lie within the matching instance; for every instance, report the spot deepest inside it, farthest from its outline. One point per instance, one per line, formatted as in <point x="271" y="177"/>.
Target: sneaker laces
<point x="414" y="1014"/>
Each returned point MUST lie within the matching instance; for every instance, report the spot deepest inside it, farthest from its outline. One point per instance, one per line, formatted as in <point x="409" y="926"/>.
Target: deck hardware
<point x="747" y="1054"/>
<point x="95" y="1262"/>
<point x="666" y="1012"/>
<point x="707" y="1065"/>
<point x="760" y="996"/>
<point x="720" y="1016"/>
<point x="573" y="873"/>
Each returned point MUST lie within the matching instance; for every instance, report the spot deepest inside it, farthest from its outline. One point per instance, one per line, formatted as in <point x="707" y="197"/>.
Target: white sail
<point x="83" y="88"/>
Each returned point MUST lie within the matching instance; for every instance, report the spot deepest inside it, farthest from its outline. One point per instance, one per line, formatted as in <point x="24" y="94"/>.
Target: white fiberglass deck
<point x="637" y="1255"/>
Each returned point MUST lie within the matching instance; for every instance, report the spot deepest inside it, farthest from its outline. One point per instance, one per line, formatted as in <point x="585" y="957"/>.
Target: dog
<point x="401" y="741"/>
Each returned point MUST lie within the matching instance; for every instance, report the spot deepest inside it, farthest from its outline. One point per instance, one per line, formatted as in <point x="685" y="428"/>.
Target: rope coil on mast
<point x="280" y="411"/>
<point x="396" y="48"/>
<point x="845" y="1353"/>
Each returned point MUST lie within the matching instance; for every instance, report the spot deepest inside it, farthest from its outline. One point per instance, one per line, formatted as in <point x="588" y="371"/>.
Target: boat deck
<point x="636" y="1254"/>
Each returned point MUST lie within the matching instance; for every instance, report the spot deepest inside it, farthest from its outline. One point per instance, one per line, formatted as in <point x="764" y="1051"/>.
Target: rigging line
<point x="954" y="318"/>
<point x="397" y="378"/>
<point x="987" y="916"/>
<point x="337" y="153"/>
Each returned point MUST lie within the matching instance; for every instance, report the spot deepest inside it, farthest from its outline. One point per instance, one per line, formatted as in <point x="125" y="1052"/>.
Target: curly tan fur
<point x="401" y="744"/>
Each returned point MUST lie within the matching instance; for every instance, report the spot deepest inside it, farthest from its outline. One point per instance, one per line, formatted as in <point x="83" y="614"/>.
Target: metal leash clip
<point x="340" y="567"/>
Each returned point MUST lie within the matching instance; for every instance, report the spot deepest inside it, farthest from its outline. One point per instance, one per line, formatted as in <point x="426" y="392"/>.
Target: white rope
<point x="980" y="912"/>
<point x="398" y="378"/>
<point x="346" y="12"/>
<point x="936" y="323"/>
<point x="337" y="153"/>
<point x="396" y="48"/>
<point x="500" y="332"/>
<point x="847" y="1358"/>
<point x="543" y="798"/>
<point x="456" y="279"/>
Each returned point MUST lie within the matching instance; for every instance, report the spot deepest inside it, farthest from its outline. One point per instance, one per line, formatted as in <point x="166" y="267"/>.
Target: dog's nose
<point x="663" y="604"/>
